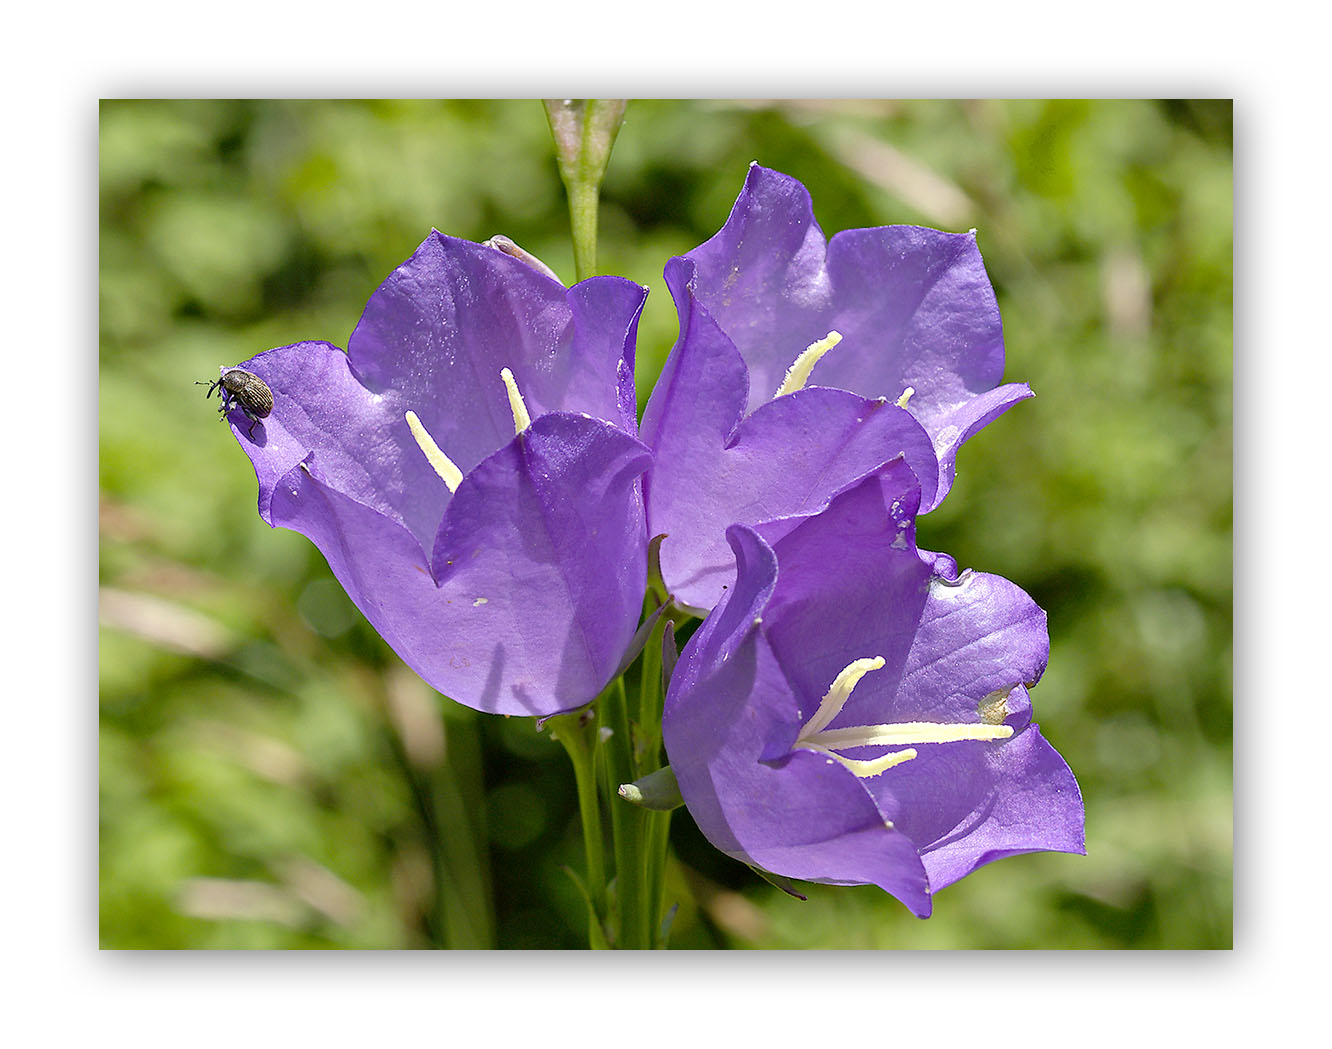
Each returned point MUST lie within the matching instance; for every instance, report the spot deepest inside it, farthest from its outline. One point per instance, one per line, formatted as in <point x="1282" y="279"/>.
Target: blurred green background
<point x="272" y="777"/>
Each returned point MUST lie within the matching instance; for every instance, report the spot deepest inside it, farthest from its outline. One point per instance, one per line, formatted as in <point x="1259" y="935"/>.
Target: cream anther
<point x="906" y="396"/>
<point x="448" y="472"/>
<point x="521" y="420"/>
<point x="798" y="374"/>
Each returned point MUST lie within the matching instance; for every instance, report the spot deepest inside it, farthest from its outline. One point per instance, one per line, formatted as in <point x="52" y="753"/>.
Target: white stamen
<point x="798" y="374"/>
<point x="835" y="698"/>
<point x="866" y="769"/>
<point x="521" y="420"/>
<point x="906" y="396"/>
<point x="443" y="465"/>
<point x="815" y="736"/>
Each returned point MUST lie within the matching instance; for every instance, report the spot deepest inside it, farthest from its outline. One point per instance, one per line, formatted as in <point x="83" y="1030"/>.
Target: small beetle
<point x="243" y="390"/>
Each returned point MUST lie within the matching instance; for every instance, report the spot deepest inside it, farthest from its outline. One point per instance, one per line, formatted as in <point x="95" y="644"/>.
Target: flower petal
<point x="740" y="608"/>
<point x="551" y="527"/>
<point x="953" y="429"/>
<point x="851" y="586"/>
<point x="436" y="334"/>
<point x="529" y="618"/>
<point x="433" y="340"/>
<point x="363" y="445"/>
<point x="976" y="637"/>
<point x="980" y="643"/>
<point x="914" y="306"/>
<point x="808" y="819"/>
<point x="785" y="460"/>
<point x="843" y="586"/>
<point x="969" y="804"/>
<point x="605" y="313"/>
<point x="702" y="388"/>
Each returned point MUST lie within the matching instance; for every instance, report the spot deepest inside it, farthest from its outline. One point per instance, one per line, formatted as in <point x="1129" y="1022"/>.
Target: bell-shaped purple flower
<point x="895" y="330"/>
<point x="854" y="712"/>
<point x="468" y="469"/>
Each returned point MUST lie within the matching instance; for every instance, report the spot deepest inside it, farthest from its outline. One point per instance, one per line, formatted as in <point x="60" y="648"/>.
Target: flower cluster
<point x="852" y="709"/>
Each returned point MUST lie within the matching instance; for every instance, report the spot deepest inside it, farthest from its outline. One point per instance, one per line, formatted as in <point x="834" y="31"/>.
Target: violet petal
<point x="915" y="310"/>
<point x="542" y="566"/>
<point x="914" y="306"/>
<point x="807" y="819"/>
<point x="784" y="460"/>
<point x="546" y="530"/>
<point x="843" y="585"/>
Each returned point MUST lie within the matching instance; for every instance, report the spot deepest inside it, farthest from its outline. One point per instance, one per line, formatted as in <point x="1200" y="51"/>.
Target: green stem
<point x="649" y="695"/>
<point x="584" y="201"/>
<point x="626" y="824"/>
<point x="657" y="824"/>
<point x="658" y="835"/>
<point x="574" y="732"/>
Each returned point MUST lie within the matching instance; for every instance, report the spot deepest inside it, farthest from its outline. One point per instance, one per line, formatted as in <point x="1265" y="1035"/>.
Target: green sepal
<point x="655" y="584"/>
<point x="639" y="639"/>
<point x="670" y="655"/>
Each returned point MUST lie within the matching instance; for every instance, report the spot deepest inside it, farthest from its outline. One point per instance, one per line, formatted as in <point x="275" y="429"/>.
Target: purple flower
<point x="854" y="712"/>
<point x="897" y="327"/>
<point x="468" y="469"/>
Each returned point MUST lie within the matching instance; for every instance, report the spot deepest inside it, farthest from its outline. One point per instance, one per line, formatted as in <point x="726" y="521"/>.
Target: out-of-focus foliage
<point x="270" y="774"/>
